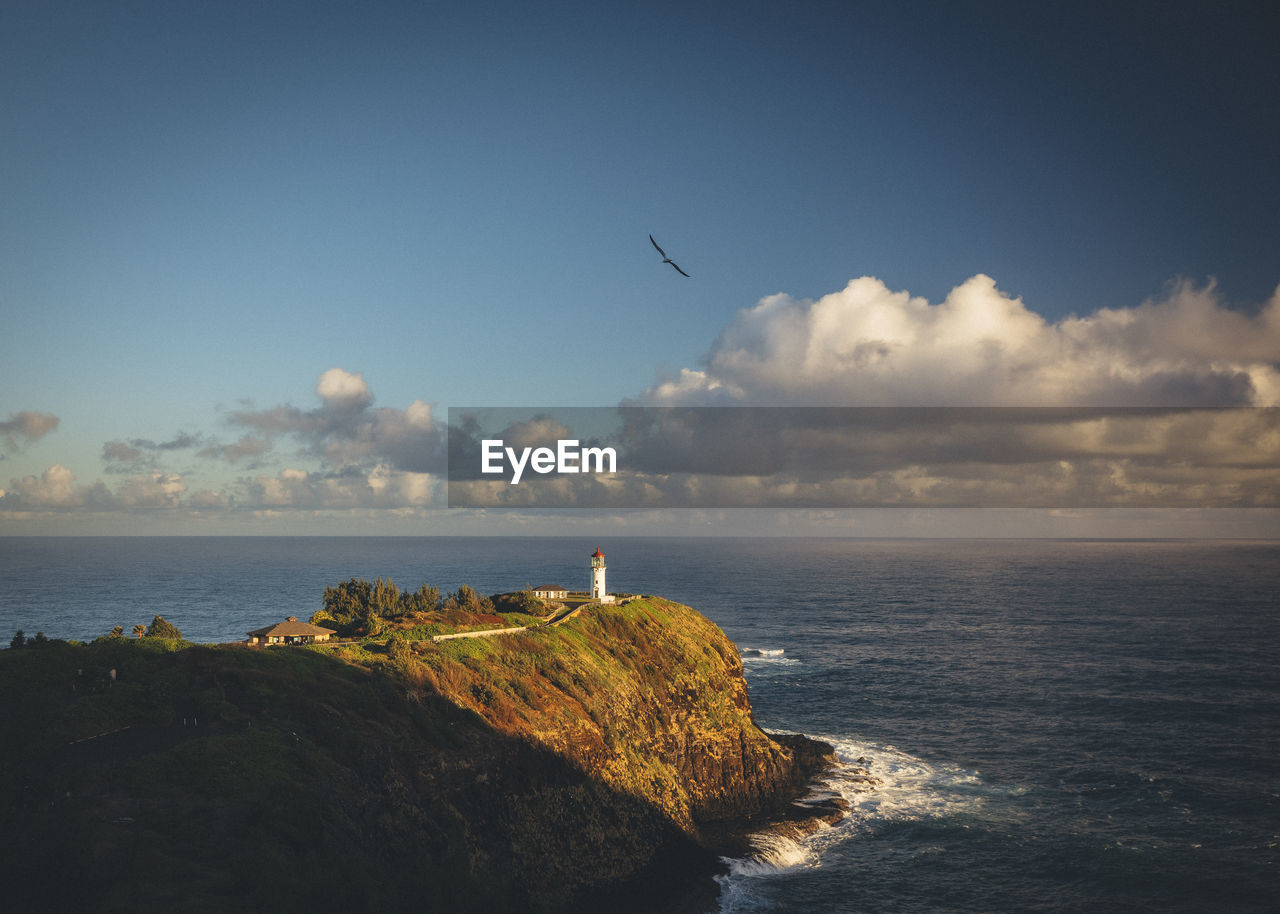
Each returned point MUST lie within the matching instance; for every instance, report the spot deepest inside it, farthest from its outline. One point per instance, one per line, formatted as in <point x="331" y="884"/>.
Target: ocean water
<point x="1055" y="725"/>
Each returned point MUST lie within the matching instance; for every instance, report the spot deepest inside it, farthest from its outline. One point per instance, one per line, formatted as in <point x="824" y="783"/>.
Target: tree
<point x="139" y="630"/>
<point x="386" y="600"/>
<point x="159" y="628"/>
<point x="467" y="600"/>
<point x="371" y="625"/>
<point x="424" y="600"/>
<point x="357" y="607"/>
<point x="117" y="632"/>
<point x="19" y="641"/>
<point x="348" y="601"/>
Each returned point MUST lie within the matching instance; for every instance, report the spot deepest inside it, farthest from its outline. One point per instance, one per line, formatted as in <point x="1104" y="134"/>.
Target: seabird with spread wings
<point x="665" y="258"/>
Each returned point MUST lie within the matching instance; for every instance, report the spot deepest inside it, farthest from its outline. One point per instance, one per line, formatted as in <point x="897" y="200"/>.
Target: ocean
<point x="1055" y="725"/>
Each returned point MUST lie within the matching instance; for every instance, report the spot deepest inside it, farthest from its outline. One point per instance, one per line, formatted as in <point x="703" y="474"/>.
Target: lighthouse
<point x="597" y="577"/>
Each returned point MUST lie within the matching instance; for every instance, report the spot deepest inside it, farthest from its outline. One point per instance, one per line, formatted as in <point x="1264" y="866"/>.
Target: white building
<point x="598" y="591"/>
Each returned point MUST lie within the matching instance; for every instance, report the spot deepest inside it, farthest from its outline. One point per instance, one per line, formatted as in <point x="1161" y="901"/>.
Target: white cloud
<point x="287" y="488"/>
<point x="354" y="456"/>
<point x="346" y="431"/>
<point x="151" y="490"/>
<point x="343" y="390"/>
<point x="869" y="346"/>
<point x="418" y="415"/>
<point x="381" y="487"/>
<point x="55" y="488"/>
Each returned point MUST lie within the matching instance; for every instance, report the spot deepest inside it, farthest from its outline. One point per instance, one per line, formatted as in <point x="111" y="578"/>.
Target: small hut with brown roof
<point x="291" y="631"/>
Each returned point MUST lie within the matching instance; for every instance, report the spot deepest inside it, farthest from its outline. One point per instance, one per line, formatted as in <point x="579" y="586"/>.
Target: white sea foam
<point x="908" y="788"/>
<point x="762" y="655"/>
<point x="905" y="789"/>
<point x="772" y="853"/>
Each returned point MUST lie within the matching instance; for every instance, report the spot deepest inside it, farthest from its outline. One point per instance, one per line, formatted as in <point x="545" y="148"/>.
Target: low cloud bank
<point x="1187" y="353"/>
<point x="361" y="456"/>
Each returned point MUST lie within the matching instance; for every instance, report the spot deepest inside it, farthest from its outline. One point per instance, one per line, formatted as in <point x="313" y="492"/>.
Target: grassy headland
<point x="542" y="770"/>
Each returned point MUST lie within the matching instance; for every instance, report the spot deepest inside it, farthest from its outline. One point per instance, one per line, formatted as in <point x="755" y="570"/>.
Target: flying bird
<point x="665" y="258"/>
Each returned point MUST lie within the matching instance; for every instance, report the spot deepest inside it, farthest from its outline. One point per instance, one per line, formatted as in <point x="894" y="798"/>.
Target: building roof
<point x="551" y="587"/>
<point x="291" y="627"/>
<point x="597" y="554"/>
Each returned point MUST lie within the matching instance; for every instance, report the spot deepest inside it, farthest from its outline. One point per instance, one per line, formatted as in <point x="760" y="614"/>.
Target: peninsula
<point x="603" y="761"/>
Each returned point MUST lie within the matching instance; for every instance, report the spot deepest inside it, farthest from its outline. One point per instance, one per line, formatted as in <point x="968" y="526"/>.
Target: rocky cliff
<point x="600" y="762"/>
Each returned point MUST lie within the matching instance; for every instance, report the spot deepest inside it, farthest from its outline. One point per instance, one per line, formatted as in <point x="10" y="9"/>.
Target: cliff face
<point x="649" y="696"/>
<point x="531" y="771"/>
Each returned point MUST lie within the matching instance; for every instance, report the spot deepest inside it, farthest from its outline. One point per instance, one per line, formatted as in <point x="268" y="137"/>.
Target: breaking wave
<point x="882" y="786"/>
<point x="762" y="655"/>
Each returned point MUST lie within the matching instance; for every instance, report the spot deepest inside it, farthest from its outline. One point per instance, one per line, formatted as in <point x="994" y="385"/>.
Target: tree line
<point x="357" y="607"/>
<point x="159" y="628"/>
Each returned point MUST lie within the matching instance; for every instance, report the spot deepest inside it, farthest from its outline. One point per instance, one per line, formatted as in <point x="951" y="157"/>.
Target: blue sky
<point x="207" y="208"/>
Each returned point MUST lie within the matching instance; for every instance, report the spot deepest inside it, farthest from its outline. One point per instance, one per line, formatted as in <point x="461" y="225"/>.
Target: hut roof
<point x="291" y="627"/>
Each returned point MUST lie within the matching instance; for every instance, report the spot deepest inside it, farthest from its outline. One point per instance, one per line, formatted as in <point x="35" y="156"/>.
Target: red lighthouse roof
<point x="597" y="554"/>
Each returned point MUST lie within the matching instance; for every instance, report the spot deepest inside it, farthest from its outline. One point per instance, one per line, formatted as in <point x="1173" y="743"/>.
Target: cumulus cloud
<point x="380" y="487"/>
<point x="55" y="488"/>
<point x="24" y="427"/>
<point x="357" y="456"/>
<point x="346" y="430"/>
<point x="369" y="456"/>
<point x="868" y="345"/>
<point x="1117" y="407"/>
<point x="343" y="390"/>
<point x="151" y="490"/>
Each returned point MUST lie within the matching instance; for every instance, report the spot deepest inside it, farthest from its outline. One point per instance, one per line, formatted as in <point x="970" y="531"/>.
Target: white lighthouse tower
<point x="597" y="577"/>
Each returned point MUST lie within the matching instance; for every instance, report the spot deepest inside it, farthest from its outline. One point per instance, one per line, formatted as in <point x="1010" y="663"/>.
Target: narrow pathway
<point x="489" y="632"/>
<point x="481" y="634"/>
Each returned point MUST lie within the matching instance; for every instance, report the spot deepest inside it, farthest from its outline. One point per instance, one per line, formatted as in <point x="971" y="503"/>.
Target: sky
<point x="251" y="254"/>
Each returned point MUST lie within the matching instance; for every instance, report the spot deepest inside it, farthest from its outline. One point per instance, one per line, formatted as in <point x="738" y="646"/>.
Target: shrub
<point x="160" y="628"/>
<point x="520" y="602"/>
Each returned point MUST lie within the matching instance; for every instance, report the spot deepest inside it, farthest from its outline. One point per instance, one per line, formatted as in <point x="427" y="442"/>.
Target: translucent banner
<point x="844" y="457"/>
